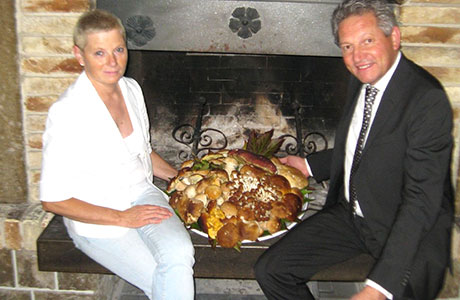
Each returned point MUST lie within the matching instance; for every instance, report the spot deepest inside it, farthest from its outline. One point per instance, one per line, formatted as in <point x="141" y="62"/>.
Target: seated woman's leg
<point x="173" y="251"/>
<point x="324" y="239"/>
<point x="126" y="256"/>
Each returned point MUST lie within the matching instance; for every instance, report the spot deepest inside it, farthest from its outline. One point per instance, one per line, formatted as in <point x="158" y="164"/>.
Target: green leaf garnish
<point x="237" y="247"/>
<point x="283" y="225"/>
<point x="169" y="194"/>
<point x="305" y="191"/>
<point x="200" y="165"/>
<point x="263" y="143"/>
<point x="265" y="233"/>
<point x="205" y="165"/>
<point x="177" y="213"/>
<point x="196" y="226"/>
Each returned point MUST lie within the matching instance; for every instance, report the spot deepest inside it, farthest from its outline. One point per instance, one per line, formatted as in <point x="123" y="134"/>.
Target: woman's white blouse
<point x="84" y="155"/>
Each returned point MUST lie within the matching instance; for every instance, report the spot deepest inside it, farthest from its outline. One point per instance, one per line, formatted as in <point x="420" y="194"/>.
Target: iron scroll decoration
<point x="302" y="145"/>
<point x="200" y="141"/>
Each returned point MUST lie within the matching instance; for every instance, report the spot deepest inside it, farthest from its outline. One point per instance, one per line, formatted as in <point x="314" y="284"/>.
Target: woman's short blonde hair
<point x="95" y="21"/>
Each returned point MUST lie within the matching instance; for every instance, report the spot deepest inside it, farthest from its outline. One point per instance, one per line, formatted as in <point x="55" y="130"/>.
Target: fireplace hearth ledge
<point x="26" y="227"/>
<point x="57" y="253"/>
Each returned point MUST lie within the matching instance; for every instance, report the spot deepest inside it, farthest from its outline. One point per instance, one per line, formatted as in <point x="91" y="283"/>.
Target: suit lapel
<point x="390" y="98"/>
<point x="384" y="111"/>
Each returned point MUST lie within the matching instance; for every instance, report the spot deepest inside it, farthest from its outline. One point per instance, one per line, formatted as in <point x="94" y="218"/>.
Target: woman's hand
<point x="136" y="216"/>
<point x="141" y="215"/>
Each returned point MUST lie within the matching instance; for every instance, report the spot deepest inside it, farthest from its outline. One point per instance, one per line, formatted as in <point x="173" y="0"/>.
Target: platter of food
<point x="266" y="236"/>
<point x="238" y="196"/>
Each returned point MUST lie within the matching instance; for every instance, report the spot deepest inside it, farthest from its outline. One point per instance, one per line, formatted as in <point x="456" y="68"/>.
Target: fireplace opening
<point x="298" y="96"/>
<point x="222" y="68"/>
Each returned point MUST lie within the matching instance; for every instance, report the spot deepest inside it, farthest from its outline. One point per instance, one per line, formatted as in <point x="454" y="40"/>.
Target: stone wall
<point x="19" y="275"/>
<point x="13" y="183"/>
<point x="47" y="67"/>
<point x="431" y="37"/>
<point x="37" y="65"/>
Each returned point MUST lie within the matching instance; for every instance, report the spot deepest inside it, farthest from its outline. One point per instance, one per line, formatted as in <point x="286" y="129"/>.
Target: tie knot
<point x="371" y="92"/>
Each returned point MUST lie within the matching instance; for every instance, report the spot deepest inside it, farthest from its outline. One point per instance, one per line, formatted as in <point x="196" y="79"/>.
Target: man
<point x="390" y="192"/>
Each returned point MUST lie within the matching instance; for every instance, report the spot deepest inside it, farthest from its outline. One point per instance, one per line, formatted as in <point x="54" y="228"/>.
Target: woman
<point x="98" y="166"/>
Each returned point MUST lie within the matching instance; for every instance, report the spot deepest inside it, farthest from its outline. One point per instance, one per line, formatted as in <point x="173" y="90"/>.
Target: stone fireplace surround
<point x="37" y="65"/>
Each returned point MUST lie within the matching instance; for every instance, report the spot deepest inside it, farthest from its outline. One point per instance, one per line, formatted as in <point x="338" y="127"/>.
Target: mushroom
<point x="179" y="202"/>
<point x="229" y="209"/>
<point x="273" y="225"/>
<point x="213" y="192"/>
<point x="228" y="236"/>
<point x="249" y="230"/>
<point x="280" y="183"/>
<point x="194" y="210"/>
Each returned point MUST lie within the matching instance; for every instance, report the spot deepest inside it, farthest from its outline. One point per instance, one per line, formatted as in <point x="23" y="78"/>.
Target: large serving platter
<point x="289" y="225"/>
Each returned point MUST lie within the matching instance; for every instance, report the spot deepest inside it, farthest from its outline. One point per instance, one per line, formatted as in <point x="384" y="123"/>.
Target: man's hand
<point x="368" y="293"/>
<point x="296" y="162"/>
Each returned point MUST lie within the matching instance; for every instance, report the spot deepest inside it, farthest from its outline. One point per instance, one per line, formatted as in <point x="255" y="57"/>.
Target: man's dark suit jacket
<point x="403" y="181"/>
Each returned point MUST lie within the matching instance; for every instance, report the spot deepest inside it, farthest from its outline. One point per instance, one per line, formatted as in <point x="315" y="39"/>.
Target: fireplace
<point x="224" y="96"/>
<point x="215" y="70"/>
<point x="37" y="40"/>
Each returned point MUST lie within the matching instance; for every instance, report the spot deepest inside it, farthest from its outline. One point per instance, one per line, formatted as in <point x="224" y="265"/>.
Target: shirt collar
<point x="381" y="85"/>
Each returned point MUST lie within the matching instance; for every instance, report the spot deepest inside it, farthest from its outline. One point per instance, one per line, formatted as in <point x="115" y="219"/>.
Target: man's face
<point x="366" y="51"/>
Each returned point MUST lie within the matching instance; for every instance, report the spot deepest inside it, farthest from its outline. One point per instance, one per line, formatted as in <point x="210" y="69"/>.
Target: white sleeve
<point x="308" y="168"/>
<point x="379" y="288"/>
<point x="57" y="183"/>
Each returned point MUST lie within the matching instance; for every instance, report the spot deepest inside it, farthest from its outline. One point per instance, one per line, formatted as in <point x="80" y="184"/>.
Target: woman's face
<point x="104" y="57"/>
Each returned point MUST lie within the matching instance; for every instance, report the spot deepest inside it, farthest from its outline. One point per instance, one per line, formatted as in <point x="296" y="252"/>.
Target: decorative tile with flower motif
<point x="244" y="22"/>
<point x="139" y="30"/>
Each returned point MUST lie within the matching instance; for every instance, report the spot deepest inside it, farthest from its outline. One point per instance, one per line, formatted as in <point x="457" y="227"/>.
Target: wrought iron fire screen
<point x="201" y="141"/>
